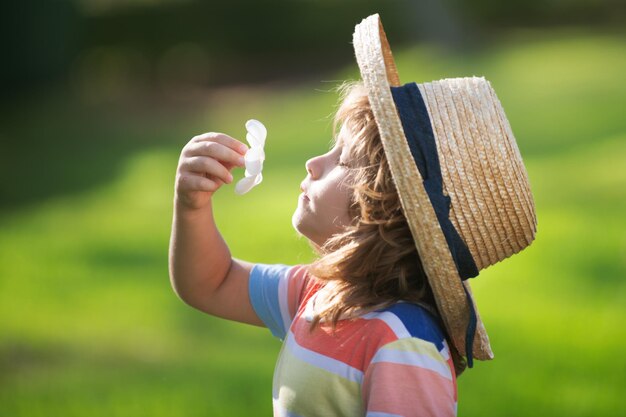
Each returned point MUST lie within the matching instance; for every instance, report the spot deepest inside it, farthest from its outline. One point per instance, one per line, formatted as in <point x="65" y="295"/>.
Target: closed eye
<point x="342" y="164"/>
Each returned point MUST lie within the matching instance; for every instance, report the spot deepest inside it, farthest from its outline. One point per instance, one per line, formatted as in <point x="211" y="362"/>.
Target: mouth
<point x="303" y="195"/>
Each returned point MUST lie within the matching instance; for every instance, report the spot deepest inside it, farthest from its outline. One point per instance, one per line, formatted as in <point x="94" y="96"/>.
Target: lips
<point x="304" y="195"/>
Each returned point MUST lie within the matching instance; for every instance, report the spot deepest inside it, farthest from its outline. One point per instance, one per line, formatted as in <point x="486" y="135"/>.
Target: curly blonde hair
<point x="373" y="262"/>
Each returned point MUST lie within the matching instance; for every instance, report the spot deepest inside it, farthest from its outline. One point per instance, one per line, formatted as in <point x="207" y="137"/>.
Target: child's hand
<point x="205" y="164"/>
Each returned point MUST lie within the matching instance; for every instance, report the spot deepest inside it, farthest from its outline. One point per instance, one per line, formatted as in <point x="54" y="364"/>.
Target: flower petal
<point x="255" y="154"/>
<point x="254" y="161"/>
<point x="258" y="179"/>
<point x="254" y="157"/>
<point x="245" y="184"/>
<point x="253" y="141"/>
<point x="257" y="131"/>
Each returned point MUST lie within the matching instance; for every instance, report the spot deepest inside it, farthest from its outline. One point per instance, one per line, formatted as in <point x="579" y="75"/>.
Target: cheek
<point x="340" y="199"/>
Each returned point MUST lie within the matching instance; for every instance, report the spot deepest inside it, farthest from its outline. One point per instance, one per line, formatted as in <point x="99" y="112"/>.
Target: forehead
<point x="343" y="137"/>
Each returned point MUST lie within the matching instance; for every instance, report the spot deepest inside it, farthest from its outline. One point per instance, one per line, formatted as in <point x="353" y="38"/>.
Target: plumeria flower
<point x="254" y="157"/>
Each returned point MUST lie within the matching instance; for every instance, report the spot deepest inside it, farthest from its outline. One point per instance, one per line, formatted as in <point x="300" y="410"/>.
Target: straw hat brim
<point x="379" y="73"/>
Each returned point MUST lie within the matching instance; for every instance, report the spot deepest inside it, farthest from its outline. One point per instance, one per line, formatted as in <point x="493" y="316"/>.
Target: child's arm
<point x="202" y="271"/>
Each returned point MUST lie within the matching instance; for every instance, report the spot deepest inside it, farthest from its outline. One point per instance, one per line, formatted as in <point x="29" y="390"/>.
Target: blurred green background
<point x="99" y="97"/>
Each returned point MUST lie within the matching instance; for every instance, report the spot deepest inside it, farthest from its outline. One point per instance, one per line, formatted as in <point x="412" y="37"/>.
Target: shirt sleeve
<point x="276" y="292"/>
<point x="409" y="377"/>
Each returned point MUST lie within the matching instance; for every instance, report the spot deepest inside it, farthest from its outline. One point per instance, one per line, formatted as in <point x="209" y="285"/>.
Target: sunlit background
<point x="99" y="96"/>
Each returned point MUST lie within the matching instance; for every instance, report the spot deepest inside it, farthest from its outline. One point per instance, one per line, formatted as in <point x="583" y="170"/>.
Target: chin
<point x="301" y="226"/>
<point x="297" y="223"/>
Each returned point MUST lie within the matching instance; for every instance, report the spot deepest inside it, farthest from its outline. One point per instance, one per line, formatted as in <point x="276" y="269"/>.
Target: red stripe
<point x="408" y="391"/>
<point x="297" y="289"/>
<point x="351" y="343"/>
<point x="451" y="365"/>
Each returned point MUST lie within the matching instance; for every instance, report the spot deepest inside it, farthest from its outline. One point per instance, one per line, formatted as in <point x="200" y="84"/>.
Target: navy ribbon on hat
<point x="421" y="140"/>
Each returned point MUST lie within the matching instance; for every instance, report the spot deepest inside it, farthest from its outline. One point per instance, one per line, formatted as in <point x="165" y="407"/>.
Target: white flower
<point x="254" y="157"/>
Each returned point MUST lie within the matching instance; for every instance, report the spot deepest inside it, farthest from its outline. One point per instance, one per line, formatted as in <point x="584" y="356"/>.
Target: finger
<point x="215" y="150"/>
<point x="187" y="182"/>
<point x="228" y="166"/>
<point x="206" y="165"/>
<point x="223" y="139"/>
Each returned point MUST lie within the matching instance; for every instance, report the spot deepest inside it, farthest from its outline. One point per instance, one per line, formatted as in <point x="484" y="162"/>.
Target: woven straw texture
<point x="483" y="173"/>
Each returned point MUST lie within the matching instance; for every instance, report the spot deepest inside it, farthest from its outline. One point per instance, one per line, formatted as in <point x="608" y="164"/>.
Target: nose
<point x="311" y="167"/>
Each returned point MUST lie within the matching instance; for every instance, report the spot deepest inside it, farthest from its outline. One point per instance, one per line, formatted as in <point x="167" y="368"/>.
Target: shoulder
<point x="292" y="283"/>
<point x="408" y="334"/>
<point x="280" y="272"/>
<point x="406" y="320"/>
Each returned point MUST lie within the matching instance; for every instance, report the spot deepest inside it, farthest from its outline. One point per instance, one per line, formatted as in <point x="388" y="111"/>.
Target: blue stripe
<point x="263" y="289"/>
<point x="418" y="322"/>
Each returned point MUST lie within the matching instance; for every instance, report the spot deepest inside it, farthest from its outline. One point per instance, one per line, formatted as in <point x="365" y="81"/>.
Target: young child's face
<point x="323" y="205"/>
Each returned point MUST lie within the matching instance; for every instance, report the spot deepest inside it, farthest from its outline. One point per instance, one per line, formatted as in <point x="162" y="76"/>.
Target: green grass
<point x="89" y="325"/>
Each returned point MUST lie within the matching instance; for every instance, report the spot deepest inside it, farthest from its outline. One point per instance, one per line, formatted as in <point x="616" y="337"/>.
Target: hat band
<point x="421" y="140"/>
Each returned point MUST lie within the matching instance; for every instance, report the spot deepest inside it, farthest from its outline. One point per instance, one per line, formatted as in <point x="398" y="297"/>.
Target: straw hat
<point x="459" y="174"/>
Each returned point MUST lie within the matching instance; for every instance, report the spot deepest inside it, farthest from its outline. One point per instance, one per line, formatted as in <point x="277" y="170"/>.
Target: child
<point x="423" y="187"/>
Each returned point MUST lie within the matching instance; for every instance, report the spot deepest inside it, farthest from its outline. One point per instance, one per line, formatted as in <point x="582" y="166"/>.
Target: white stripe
<point x="445" y="352"/>
<point x="400" y="330"/>
<point x="392" y="321"/>
<point x="381" y="414"/>
<point x="280" y="411"/>
<point x="329" y="364"/>
<point x="405" y="357"/>
<point x="283" y="302"/>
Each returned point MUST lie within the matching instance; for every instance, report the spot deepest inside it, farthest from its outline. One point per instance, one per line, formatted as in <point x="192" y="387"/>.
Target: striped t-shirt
<point x="390" y="362"/>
